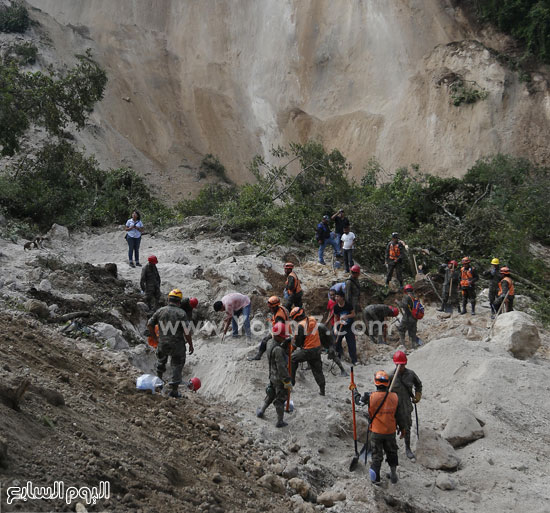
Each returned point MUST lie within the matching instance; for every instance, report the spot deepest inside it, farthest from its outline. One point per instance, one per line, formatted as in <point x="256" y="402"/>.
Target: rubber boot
<point x="280" y="415"/>
<point x="174" y="392"/>
<point x="260" y="412"/>
<point x="464" y="303"/>
<point x="374" y="475"/>
<point x="408" y="451"/>
<point x="442" y="307"/>
<point x="322" y="391"/>
<point x="473" y="308"/>
<point x="392" y="476"/>
<point x="402" y="338"/>
<point x="257" y="356"/>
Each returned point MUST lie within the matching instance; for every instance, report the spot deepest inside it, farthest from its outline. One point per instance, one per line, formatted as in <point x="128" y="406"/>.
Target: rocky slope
<point x="208" y="452"/>
<point x="235" y="78"/>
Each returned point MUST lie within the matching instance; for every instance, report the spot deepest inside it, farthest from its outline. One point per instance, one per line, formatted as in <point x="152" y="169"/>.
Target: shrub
<point x="26" y="53"/>
<point x="14" y="18"/>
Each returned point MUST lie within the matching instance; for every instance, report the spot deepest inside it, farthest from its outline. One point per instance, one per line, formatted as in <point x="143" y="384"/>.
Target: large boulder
<point x="462" y="428"/>
<point x="516" y="333"/>
<point x="273" y="483"/>
<point x="112" y="336"/>
<point x="58" y="232"/>
<point x="433" y="452"/>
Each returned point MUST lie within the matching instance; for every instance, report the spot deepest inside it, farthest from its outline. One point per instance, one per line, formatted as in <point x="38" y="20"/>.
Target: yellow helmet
<point x="176" y="293"/>
<point x="495" y="261"/>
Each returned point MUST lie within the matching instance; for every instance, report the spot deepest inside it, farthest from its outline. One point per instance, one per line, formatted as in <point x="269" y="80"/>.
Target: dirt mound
<point x="158" y="454"/>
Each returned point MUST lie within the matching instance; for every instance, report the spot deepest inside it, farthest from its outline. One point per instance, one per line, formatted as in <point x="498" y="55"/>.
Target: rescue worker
<point x="293" y="289"/>
<point x="408" y="323"/>
<point x="234" y="305"/>
<point x="344" y="316"/>
<point x="494" y="277"/>
<point x="340" y="223"/>
<point x="279" y="378"/>
<point x="395" y="251"/>
<point x="352" y="289"/>
<point x="327" y="342"/>
<point x="409" y="389"/>
<point x="188" y="304"/>
<point x="150" y="283"/>
<point x="375" y="319"/>
<point x="468" y="279"/>
<point x="325" y="236"/>
<point x="278" y="313"/>
<point x="308" y="347"/>
<point x="506" y="291"/>
<point x="451" y="285"/>
<point x="173" y="335"/>
<point x="383" y="406"/>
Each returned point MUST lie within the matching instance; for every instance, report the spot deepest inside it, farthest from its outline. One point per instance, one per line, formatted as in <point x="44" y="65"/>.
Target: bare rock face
<point x="434" y="452"/>
<point x="516" y="333"/>
<point x="462" y="428"/>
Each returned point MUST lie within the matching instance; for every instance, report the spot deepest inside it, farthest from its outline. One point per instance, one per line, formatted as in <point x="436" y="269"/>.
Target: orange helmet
<point x="400" y="358"/>
<point x="466" y="260"/>
<point x="381" y="378"/>
<point x="296" y="312"/>
<point x="273" y="301"/>
<point x="289" y="265"/>
<point x="504" y="270"/>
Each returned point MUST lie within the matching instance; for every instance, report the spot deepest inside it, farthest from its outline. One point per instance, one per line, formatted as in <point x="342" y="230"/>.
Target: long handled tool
<point x="353" y="406"/>
<point x="290" y="372"/>
<point x="448" y="305"/>
<point x="496" y="317"/>
<point x="416" y="415"/>
<point x="363" y="455"/>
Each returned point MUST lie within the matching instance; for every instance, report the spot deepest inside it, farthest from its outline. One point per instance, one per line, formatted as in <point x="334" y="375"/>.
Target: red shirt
<point x="330" y="307"/>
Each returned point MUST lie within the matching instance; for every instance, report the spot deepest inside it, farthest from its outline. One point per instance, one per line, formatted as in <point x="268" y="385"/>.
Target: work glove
<point x="353" y="386"/>
<point x="287" y="385"/>
<point x="191" y="349"/>
<point x="403" y="432"/>
<point x="417" y="397"/>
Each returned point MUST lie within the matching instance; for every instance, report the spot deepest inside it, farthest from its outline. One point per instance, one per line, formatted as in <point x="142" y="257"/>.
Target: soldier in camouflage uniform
<point x="279" y="378"/>
<point x="404" y="383"/>
<point x="173" y="336"/>
<point x="150" y="283"/>
<point x="374" y="317"/>
<point x="408" y="322"/>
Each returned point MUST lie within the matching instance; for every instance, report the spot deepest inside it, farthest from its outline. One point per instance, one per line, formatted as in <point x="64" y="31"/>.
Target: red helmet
<point x="381" y="378"/>
<point x="408" y="288"/>
<point x="289" y="265"/>
<point x="400" y="358"/>
<point x="194" y="384"/>
<point x="280" y="329"/>
<point x="296" y="312"/>
<point x="394" y="310"/>
<point x="505" y="270"/>
<point x="193" y="302"/>
<point x="355" y="269"/>
<point x="153" y="259"/>
<point x="454" y="263"/>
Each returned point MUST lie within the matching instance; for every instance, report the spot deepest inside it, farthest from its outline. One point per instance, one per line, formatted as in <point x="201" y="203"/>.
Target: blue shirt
<point x="136" y="234"/>
<point x="343" y="310"/>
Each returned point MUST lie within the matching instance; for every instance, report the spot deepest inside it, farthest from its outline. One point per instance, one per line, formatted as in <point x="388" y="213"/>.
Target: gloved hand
<point x="191" y="349"/>
<point x="402" y="435"/>
<point x="417" y="397"/>
<point x="288" y="385"/>
<point x="352" y="386"/>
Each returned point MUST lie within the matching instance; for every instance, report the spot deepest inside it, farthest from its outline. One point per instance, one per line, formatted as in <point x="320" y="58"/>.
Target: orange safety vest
<point x="465" y="277"/>
<point x="280" y="312"/>
<point x="384" y="423"/>
<point x="510" y="286"/>
<point x="313" y="339"/>
<point x="395" y="252"/>
<point x="297" y="287"/>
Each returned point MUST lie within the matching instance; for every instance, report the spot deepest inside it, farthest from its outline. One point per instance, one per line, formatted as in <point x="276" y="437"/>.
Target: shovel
<point x="496" y="317"/>
<point x="365" y="450"/>
<point x="354" y="421"/>
<point x="448" y="306"/>
<point x="290" y="372"/>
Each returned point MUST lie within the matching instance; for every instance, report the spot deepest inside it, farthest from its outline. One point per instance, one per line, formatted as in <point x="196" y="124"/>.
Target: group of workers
<point x="296" y="337"/>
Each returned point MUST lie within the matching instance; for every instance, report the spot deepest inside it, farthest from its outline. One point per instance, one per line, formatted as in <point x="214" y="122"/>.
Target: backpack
<point x="417" y="309"/>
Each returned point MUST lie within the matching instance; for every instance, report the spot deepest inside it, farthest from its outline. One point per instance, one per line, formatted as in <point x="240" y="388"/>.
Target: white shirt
<point x="234" y="302"/>
<point x="136" y="234"/>
<point x="348" y="240"/>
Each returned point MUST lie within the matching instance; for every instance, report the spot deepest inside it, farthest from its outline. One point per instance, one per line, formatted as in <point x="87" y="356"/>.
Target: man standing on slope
<point x="451" y="279"/>
<point x="395" y="251"/>
<point x="375" y="317"/>
<point x="468" y="280"/>
<point x="340" y="223"/>
<point x="352" y="289"/>
<point x="408" y="322"/>
<point x="494" y="277"/>
<point x="506" y="292"/>
<point x="279" y="378"/>
<point x="278" y="314"/>
<point x="235" y="305"/>
<point x="324" y="237"/>
<point x="173" y="335"/>
<point x="293" y="289"/>
<point x="406" y="381"/>
<point x="150" y="283"/>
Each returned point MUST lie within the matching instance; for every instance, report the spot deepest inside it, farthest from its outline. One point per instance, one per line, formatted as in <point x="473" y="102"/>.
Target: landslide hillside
<point x="234" y="78"/>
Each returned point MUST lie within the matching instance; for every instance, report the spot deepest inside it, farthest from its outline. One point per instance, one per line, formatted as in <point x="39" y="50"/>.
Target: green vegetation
<point x="52" y="99"/>
<point x="14" y="18"/>
<point x="497" y="209"/>
<point x="526" y="20"/>
<point x="463" y="91"/>
<point x="211" y="164"/>
<point x="25" y="53"/>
